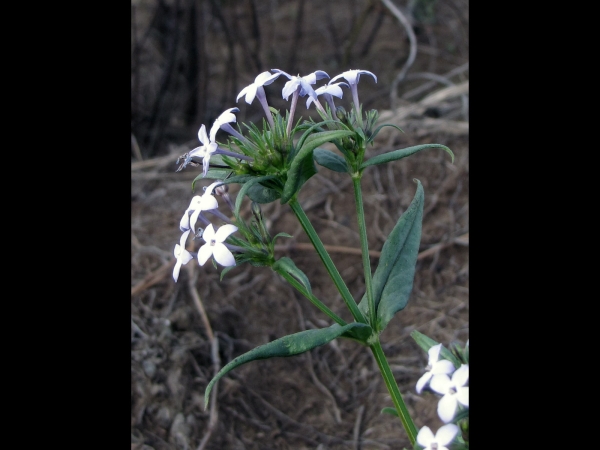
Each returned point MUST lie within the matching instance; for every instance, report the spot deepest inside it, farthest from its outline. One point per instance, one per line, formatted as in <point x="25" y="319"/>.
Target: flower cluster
<point x="257" y="155"/>
<point x="443" y="378"/>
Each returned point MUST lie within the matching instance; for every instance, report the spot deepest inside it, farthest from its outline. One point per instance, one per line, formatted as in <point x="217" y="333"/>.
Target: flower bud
<point x="340" y="113"/>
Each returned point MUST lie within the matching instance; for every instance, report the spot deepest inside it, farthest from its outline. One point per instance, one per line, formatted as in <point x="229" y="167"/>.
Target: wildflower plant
<point x="272" y="163"/>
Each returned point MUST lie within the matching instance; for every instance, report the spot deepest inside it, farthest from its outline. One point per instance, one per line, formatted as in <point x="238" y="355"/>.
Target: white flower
<point x="263" y="79"/>
<point x="328" y="90"/>
<point x="198" y="204"/>
<point x="223" y="121"/>
<point x="214" y="245"/>
<point x="453" y="390"/>
<point x="206" y="150"/>
<point x="182" y="255"/>
<point x="353" y="76"/>
<point x="434" y="366"/>
<point x="442" y="438"/>
<point x="304" y="83"/>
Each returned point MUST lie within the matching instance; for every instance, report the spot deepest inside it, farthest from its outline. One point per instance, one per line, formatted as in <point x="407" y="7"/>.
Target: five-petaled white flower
<point x="223" y="122"/>
<point x="453" y="390"/>
<point x="182" y="255"/>
<point x="198" y="204"/>
<point x="352" y="77"/>
<point x="440" y="441"/>
<point x="304" y="83"/>
<point x="328" y="91"/>
<point x="214" y="245"/>
<point x="434" y="366"/>
<point x="261" y="80"/>
<point x="206" y="150"/>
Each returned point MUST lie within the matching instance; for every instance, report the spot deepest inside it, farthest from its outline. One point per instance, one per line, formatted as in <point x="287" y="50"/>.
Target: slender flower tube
<point x="300" y="86"/>
<point x="434" y="366"/>
<point x="256" y="90"/>
<point x="215" y="247"/>
<point x="453" y="390"/>
<point x="440" y="441"/>
<point x="353" y="77"/>
<point x="182" y="255"/>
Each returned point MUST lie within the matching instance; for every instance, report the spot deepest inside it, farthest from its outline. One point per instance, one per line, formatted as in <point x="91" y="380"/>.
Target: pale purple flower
<point x="182" y="255"/>
<point x="301" y="84"/>
<point x="444" y="436"/>
<point x="256" y="90"/>
<point x="252" y="90"/>
<point x="214" y="245"/>
<point x="223" y="122"/>
<point x="434" y="366"/>
<point x="206" y="150"/>
<point x="328" y="91"/>
<point x="352" y="77"/>
<point x="453" y="390"/>
<point x="198" y="204"/>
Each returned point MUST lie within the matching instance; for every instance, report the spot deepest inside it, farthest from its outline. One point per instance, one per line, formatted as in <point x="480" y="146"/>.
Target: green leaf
<point x="393" y="278"/>
<point x="282" y="234"/>
<point x="288" y="265"/>
<point x="402" y="153"/>
<point x="291" y="345"/>
<point x="300" y="169"/>
<point x="245" y="188"/>
<point x="216" y="174"/>
<point x="425" y="342"/>
<point x="263" y="194"/>
<point x="391" y="411"/>
<point x="330" y="160"/>
<point x="376" y="132"/>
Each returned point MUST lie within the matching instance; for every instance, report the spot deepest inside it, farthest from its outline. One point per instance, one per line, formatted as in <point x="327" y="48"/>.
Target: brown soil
<point x="330" y="397"/>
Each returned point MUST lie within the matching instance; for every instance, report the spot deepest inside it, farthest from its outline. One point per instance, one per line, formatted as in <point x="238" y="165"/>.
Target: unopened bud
<point x="222" y="189"/>
<point x="340" y="113"/>
<point x="257" y="211"/>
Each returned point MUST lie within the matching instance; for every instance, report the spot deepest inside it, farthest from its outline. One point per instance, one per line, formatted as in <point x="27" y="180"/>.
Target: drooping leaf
<point x="330" y="160"/>
<point x="299" y="171"/>
<point x="216" y="174"/>
<point x="291" y="345"/>
<point x="288" y="265"/>
<point x="393" y="278"/>
<point x="402" y="153"/>
<point x="376" y="132"/>
<point x="425" y="342"/>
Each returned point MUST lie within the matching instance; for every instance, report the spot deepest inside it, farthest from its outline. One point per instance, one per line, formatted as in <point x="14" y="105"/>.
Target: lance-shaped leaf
<point x="291" y="345"/>
<point x="425" y="342"/>
<point x="288" y="265"/>
<point x="393" y="278"/>
<point x="330" y="160"/>
<point x="402" y="153"/>
<point x="299" y="171"/>
<point x="263" y="194"/>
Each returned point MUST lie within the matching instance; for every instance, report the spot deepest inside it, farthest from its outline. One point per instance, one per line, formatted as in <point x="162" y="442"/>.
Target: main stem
<point x="364" y="245"/>
<point x="376" y="348"/>
<point x="331" y="269"/>
<point x="390" y="382"/>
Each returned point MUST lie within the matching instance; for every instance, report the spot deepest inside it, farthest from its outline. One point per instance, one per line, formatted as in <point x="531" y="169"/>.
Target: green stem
<point x="364" y="245"/>
<point x="331" y="269"/>
<point x="390" y="382"/>
<point x="314" y="300"/>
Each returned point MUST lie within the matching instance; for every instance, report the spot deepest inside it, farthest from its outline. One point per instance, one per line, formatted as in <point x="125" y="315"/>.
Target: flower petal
<point x="423" y="381"/>
<point x="224" y="232"/>
<point x="223" y="255"/>
<point x="434" y="353"/>
<point x="208" y="202"/>
<point x="447" y="408"/>
<point x="205" y="252"/>
<point x="440" y="383"/>
<point x="265" y="78"/>
<point x="461" y="376"/>
<point x="442" y="366"/>
<point x="209" y="233"/>
<point x="425" y="436"/>
<point x="202" y="135"/>
<point x="446" y="434"/>
<point x="250" y="92"/>
<point x="462" y="395"/>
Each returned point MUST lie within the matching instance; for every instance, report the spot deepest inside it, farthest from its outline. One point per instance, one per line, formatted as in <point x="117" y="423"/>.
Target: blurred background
<point x="189" y="61"/>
